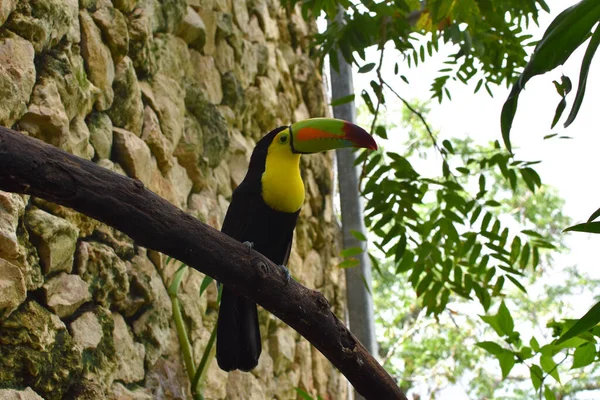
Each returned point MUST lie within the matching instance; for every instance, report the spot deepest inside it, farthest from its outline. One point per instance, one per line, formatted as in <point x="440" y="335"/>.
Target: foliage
<point x="569" y="30"/>
<point x="444" y="231"/>
<point x="428" y="352"/>
<point x="488" y="36"/>
<point x="196" y="375"/>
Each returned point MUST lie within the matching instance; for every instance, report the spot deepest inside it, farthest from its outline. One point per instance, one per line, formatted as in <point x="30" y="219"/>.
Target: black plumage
<point x="250" y="219"/>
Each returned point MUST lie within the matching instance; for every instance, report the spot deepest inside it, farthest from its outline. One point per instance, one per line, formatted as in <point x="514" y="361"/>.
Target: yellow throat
<point x="282" y="186"/>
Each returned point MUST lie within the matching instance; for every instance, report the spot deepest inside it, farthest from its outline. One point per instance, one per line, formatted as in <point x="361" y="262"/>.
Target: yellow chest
<point x="282" y="186"/>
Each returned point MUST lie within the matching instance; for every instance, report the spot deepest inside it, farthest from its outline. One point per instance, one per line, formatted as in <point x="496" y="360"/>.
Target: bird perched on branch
<point x="263" y="213"/>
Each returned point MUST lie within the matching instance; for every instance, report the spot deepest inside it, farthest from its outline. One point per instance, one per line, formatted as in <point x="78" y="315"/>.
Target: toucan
<point x="263" y="213"/>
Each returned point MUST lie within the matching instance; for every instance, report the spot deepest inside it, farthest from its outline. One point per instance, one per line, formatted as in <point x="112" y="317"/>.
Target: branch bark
<point x="33" y="167"/>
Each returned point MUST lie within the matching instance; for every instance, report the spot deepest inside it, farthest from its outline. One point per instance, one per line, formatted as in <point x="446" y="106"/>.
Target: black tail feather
<point x="238" y="333"/>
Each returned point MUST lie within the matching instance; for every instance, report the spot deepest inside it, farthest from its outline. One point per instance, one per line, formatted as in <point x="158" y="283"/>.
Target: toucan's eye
<point x="283" y="138"/>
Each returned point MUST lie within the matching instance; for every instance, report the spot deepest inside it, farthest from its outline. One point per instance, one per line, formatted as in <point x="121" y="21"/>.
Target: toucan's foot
<point x="286" y="272"/>
<point x="249" y="245"/>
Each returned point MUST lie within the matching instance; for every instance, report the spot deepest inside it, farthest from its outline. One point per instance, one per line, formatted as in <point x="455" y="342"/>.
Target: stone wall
<point x="175" y="94"/>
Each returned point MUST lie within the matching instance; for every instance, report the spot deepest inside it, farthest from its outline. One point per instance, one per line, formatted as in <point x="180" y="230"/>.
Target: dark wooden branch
<point x="33" y="167"/>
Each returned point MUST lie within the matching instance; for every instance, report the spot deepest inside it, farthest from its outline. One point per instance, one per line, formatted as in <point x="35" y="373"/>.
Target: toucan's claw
<point x="286" y="272"/>
<point x="249" y="245"/>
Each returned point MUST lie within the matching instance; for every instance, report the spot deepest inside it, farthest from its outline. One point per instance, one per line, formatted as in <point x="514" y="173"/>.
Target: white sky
<point x="569" y="165"/>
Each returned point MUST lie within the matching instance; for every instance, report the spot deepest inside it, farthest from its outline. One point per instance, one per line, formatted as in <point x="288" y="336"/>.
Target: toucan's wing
<point x="241" y="211"/>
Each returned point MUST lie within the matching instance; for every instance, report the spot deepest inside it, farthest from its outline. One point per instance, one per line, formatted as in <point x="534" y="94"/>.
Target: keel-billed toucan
<point x="263" y="213"/>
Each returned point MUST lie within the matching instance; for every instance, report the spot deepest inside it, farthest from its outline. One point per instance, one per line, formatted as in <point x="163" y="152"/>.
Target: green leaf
<point x="584" y="355"/>
<point x="583" y="74"/>
<point x="548" y="393"/>
<point x="537" y="375"/>
<point x="349" y="263"/>
<point x="342" y="100"/>
<point x="565" y="34"/>
<point x="366" y="68"/>
<point x="204" y="285"/>
<point x="303" y="394"/>
<point x="588" y="227"/>
<point x="588" y="321"/>
<point x="595" y="215"/>
<point x="549" y="366"/>
<point x="534" y="344"/>
<point x="491" y="347"/>
<point x="351" y="252"/>
<point x="507" y="362"/>
<point x="517" y="283"/>
<point x="559" y="110"/>
<point x="358" y="235"/>
<point x="505" y="320"/>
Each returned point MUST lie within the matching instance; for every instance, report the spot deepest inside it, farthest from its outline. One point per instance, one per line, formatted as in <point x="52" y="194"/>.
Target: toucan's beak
<point x="321" y="134"/>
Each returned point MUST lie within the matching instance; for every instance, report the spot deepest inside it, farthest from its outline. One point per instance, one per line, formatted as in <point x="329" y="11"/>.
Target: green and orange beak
<point x="322" y="134"/>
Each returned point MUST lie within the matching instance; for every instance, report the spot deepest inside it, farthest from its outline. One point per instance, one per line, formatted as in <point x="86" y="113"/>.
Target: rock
<point x="101" y="135"/>
<point x="238" y="163"/>
<point x="209" y="17"/>
<point x="304" y="360"/>
<point x="104" y="272"/>
<point x="121" y="243"/>
<point x="301" y="113"/>
<point x="46" y="118"/>
<point x="54" y="238"/>
<point x="45" y="23"/>
<point x="255" y="33"/>
<point x="224" y="24"/>
<point x="140" y="40"/>
<point x="160" y="147"/>
<point x="192" y="29"/>
<point x="233" y="93"/>
<point x="152" y="327"/>
<point x="133" y="155"/>
<point x="189" y="152"/>
<point x="268" y="25"/>
<point x="243" y="386"/>
<point x="98" y="60"/>
<point x="127" y="109"/>
<point x="13" y="291"/>
<point x="240" y="14"/>
<point x="267" y="104"/>
<point x="17" y="73"/>
<point x="215" y="136"/>
<point x="86" y="330"/>
<point x="130" y="355"/>
<point x="38" y="351"/>
<point x="99" y="351"/>
<point x="167" y="98"/>
<point x="203" y="205"/>
<point x="12" y="207"/>
<point x="224" y="57"/>
<point x="171" y="59"/>
<point x="282" y="347"/>
<point x="64" y="65"/>
<point x="114" y="30"/>
<point x="215" y="384"/>
<point x="125" y="6"/>
<point x="85" y="224"/>
<point x="247" y="68"/>
<point x="262" y="59"/>
<point x="167" y="379"/>
<point x="207" y="76"/>
<point x="120" y="392"/>
<point x="65" y="293"/>
<point x="223" y="179"/>
<point x="6" y="7"/>
<point x="182" y="184"/>
<point x="13" y="394"/>
<point x="78" y="141"/>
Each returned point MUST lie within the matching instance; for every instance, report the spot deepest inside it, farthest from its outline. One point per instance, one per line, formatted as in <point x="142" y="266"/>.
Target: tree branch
<point x="33" y="167"/>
